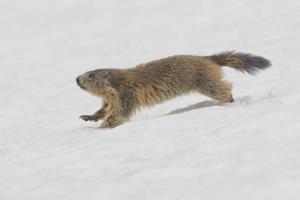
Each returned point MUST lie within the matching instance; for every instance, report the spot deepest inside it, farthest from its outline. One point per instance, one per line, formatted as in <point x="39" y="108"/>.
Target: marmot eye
<point x="92" y="75"/>
<point x="106" y="75"/>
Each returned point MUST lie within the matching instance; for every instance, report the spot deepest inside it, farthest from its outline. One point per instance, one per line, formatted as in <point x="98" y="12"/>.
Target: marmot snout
<point x="125" y="91"/>
<point x="96" y="82"/>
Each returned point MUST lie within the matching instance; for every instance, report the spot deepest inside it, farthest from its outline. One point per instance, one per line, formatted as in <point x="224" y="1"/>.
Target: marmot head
<point x="97" y="82"/>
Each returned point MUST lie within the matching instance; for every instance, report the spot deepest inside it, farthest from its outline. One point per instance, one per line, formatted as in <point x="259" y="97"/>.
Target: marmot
<point x="125" y="91"/>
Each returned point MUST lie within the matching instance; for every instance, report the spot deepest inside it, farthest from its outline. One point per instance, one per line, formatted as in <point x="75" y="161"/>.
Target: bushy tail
<point x="241" y="61"/>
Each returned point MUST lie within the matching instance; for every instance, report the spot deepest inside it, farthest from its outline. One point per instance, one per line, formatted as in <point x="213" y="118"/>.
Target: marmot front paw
<point x="113" y="122"/>
<point x="89" y="118"/>
<point x="105" y="124"/>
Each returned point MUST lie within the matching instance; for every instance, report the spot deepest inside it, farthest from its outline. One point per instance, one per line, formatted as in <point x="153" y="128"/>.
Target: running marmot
<point x="126" y="90"/>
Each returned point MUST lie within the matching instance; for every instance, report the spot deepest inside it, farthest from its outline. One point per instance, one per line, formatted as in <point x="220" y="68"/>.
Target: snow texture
<point x="187" y="148"/>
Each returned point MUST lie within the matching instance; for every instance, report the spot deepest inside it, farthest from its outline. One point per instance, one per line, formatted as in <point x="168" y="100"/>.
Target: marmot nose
<point x="77" y="80"/>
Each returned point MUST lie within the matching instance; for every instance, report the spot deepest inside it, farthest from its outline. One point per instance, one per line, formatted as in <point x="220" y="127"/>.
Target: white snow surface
<point x="187" y="148"/>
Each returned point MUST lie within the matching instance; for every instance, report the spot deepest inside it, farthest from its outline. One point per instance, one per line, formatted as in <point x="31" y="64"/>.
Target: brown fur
<point x="125" y="91"/>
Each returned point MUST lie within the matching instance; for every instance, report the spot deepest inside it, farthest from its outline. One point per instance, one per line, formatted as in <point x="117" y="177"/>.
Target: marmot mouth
<point x="82" y="87"/>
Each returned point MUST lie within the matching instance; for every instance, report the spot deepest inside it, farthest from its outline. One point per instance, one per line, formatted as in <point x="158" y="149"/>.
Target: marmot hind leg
<point x="217" y="89"/>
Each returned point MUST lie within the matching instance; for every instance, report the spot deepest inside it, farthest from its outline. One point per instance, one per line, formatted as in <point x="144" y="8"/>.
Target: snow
<point x="188" y="148"/>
